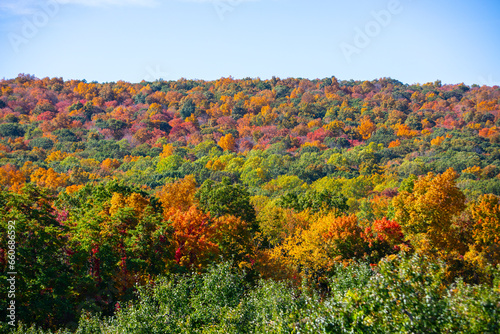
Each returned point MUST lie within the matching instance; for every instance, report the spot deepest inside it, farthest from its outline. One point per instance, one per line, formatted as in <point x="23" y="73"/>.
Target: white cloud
<point x="229" y="2"/>
<point x="143" y="3"/>
<point x="22" y="7"/>
<point x="26" y="7"/>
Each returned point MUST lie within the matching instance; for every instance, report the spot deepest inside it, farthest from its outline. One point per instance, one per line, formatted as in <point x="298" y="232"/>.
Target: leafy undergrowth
<point x="404" y="294"/>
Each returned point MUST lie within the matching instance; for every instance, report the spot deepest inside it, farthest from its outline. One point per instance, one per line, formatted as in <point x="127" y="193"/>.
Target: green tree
<point x="11" y="130"/>
<point x="315" y="201"/>
<point x="187" y="109"/>
<point x="44" y="283"/>
<point x="224" y="198"/>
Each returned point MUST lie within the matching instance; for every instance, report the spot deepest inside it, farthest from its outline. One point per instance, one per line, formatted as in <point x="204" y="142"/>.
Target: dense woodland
<point x="253" y="206"/>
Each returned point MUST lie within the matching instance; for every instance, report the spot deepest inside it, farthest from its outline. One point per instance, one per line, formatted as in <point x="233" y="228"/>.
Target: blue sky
<point x="414" y="41"/>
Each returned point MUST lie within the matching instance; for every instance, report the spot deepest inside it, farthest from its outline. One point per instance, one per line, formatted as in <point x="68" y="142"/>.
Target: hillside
<point x="323" y="193"/>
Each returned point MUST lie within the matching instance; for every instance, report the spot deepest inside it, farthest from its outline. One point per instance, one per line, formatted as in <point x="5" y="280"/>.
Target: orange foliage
<point x="315" y="143"/>
<point x="122" y="113"/>
<point x="173" y="97"/>
<point x="405" y="131"/>
<point x="388" y="231"/>
<point x="227" y="142"/>
<point x="11" y="177"/>
<point x="394" y="143"/>
<point x="17" y="144"/>
<point x="487" y="105"/>
<point x="159" y="97"/>
<point x="255" y="103"/>
<point x="268" y="115"/>
<point x="296" y="93"/>
<point x="194" y="237"/>
<point x="110" y="164"/>
<point x="74" y="188"/>
<point x="4" y="148"/>
<point x="488" y="132"/>
<point x="130" y="158"/>
<point x="48" y="178"/>
<point x="227" y="105"/>
<point x="87" y="90"/>
<point x="366" y="127"/>
<point x="345" y="239"/>
<point x="215" y="165"/>
<point x="437" y="141"/>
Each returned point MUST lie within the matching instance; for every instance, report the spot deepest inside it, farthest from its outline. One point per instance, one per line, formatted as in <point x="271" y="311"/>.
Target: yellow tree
<point x="277" y="223"/>
<point x="336" y="127"/>
<point x="485" y="246"/>
<point x="168" y="150"/>
<point x="87" y="90"/>
<point x="328" y="240"/>
<point x="234" y="239"/>
<point x="178" y="194"/>
<point x="215" y="165"/>
<point x="56" y="156"/>
<point x="135" y="201"/>
<point x="426" y="213"/>
<point x="127" y="225"/>
<point x="49" y="178"/>
<point x="437" y="141"/>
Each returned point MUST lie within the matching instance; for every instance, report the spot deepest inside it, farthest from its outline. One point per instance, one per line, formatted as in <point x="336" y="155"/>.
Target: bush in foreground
<point x="401" y="295"/>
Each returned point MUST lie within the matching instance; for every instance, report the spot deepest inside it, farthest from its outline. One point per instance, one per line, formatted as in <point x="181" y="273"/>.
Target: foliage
<point x="223" y="198"/>
<point x="401" y="295"/>
<point x="121" y="189"/>
<point x="426" y="214"/>
<point x="315" y="201"/>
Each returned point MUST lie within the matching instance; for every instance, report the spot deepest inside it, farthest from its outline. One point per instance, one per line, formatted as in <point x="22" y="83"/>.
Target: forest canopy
<point x="315" y="192"/>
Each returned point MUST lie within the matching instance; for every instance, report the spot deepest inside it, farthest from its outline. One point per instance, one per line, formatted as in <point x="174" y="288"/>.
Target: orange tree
<point x="193" y="237"/>
<point x="385" y="237"/>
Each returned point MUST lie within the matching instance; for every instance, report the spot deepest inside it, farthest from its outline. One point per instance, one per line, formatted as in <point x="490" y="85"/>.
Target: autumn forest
<point x="250" y="206"/>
